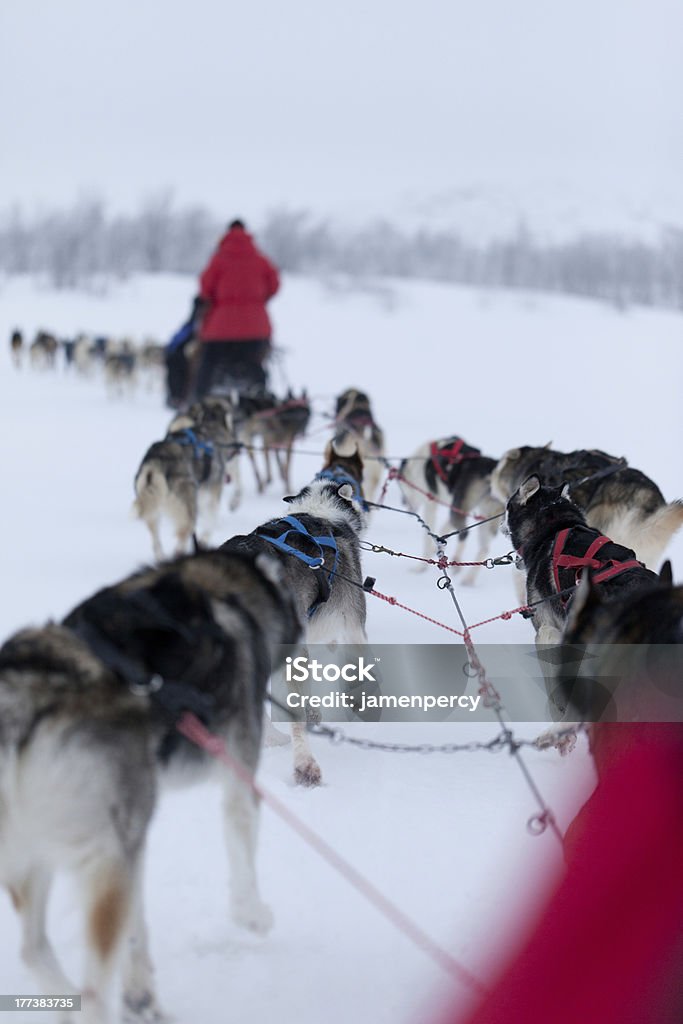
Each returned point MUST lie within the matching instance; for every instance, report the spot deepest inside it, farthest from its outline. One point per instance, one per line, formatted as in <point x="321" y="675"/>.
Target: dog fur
<point x="16" y="344"/>
<point x="468" y="489"/>
<point x="534" y="516"/>
<point x="624" y="505"/>
<point x="277" y="423"/>
<point x="81" y="755"/>
<point x="326" y="507"/>
<point x="175" y="476"/>
<point x="355" y="423"/>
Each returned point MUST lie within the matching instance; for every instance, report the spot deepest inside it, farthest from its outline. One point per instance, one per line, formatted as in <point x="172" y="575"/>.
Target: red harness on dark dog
<point x="450" y="454"/>
<point x="567" y="566"/>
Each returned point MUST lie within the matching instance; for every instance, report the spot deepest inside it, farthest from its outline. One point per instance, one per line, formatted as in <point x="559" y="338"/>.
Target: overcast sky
<point x="345" y="105"/>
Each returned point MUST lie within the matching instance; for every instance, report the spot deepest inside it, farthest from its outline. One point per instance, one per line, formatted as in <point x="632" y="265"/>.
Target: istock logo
<point x="299" y="670"/>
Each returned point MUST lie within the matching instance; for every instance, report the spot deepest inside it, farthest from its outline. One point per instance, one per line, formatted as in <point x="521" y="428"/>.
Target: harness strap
<point x="312" y="561"/>
<point x="606" y="568"/>
<point x="449" y="455"/>
<point x="188" y="436"/>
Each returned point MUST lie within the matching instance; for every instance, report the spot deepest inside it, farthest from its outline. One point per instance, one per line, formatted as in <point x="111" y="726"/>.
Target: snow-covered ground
<point x="444" y="836"/>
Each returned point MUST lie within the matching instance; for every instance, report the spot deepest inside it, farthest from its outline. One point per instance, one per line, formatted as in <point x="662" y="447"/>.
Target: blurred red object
<point x="608" y="948"/>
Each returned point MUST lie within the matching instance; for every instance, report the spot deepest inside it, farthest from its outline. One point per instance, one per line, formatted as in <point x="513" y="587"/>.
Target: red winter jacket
<point x="237" y="283"/>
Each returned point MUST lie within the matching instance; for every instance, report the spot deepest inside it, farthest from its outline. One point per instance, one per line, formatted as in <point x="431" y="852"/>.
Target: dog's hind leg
<point x="211" y="502"/>
<point x="254" y="465"/>
<point x="109" y="892"/>
<point x="182" y="508"/>
<point x="282" y="459"/>
<point x="30" y="900"/>
<point x="139" y="996"/>
<point x="241" y="829"/>
<point x="235" y="475"/>
<point x="153" y="527"/>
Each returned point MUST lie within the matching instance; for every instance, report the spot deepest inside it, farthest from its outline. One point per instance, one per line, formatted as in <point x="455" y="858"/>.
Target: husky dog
<point x="16" y="344"/>
<point x="324" y="524"/>
<point x="43" y="351"/>
<point x="458" y="474"/>
<point x="556" y="545"/>
<point x="617" y="500"/>
<point x="88" y="711"/>
<point x="278" y="423"/>
<point x="119" y="367"/>
<point x="189" y="465"/>
<point x="355" y="422"/>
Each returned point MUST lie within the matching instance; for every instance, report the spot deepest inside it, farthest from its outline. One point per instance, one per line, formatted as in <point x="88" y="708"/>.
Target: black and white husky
<point x="87" y="713"/>
<point x="556" y="547"/>
<point x="317" y="544"/>
<point x="457" y="475"/>
<point x="621" y="502"/>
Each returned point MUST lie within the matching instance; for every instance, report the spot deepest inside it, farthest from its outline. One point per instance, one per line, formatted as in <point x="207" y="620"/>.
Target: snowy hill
<point x="444" y="836"/>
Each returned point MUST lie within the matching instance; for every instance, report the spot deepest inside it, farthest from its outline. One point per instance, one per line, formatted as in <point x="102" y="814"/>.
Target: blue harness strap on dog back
<point x="338" y="476"/>
<point x="188" y="436"/>
<point x="312" y="561"/>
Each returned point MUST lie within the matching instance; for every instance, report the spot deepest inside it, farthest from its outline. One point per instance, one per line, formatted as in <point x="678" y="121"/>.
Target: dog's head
<point x="533" y="507"/>
<point x="510" y="470"/>
<point x="352" y="400"/>
<point x="215" y="412"/>
<point x="336" y="493"/>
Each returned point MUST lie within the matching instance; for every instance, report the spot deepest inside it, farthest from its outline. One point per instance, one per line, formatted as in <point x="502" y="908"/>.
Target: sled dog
<point x="456" y="473"/>
<point x="88" y="710"/>
<point x="354" y="422"/>
<point x="324" y="523"/>
<point x="276" y="423"/>
<point x="187" y="467"/>
<point x="619" y="501"/>
<point x="556" y="546"/>
<point x="16" y="344"/>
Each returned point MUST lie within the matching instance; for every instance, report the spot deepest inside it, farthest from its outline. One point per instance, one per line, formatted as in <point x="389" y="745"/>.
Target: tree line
<point x="84" y="246"/>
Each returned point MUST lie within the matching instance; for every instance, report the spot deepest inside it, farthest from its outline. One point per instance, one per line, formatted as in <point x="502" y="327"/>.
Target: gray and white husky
<point x="354" y="423"/>
<point x="87" y="713"/>
<point x="186" y="469"/>
<point x="331" y="516"/>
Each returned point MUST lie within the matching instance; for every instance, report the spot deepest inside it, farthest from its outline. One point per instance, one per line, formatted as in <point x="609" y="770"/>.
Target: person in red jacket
<point x="235" y="332"/>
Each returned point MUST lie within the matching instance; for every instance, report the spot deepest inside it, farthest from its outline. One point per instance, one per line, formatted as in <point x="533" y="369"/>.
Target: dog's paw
<point x="308" y="773"/>
<point x="562" y="741"/>
<point x="254" y="915"/>
<point x="142" y="1008"/>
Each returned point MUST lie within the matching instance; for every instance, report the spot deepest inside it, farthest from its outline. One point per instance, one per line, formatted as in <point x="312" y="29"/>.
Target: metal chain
<point x="499" y="742"/>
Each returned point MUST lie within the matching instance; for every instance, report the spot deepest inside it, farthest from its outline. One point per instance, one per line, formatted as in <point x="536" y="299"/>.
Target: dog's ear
<point x="289" y="498"/>
<point x="528" y="489"/>
<point x="565" y="492"/>
<point x="666" y="574"/>
<point x="346" y="492"/>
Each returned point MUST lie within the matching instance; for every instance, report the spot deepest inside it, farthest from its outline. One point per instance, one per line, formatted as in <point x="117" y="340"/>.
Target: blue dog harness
<point x="188" y="436"/>
<point x="320" y="543"/>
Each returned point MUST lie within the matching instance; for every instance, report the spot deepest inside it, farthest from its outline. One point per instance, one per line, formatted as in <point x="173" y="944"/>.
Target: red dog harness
<point x="567" y="567"/>
<point x="450" y="453"/>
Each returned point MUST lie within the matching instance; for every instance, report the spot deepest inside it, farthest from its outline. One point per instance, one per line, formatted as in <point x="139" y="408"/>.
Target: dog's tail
<point x="150" y="490"/>
<point x="652" y="534"/>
